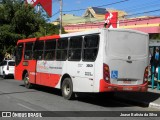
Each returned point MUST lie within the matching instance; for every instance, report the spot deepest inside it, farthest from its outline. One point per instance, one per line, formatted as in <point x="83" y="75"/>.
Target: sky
<point x="134" y="8"/>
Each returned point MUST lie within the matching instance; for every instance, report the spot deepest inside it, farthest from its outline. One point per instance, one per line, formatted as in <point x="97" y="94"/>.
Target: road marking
<point x="26" y="107"/>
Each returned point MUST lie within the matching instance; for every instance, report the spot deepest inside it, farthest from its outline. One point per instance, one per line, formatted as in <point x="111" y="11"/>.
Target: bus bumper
<point x="106" y="87"/>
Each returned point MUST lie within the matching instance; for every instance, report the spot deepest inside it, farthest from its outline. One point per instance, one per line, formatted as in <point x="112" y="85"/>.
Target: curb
<point x="154" y="105"/>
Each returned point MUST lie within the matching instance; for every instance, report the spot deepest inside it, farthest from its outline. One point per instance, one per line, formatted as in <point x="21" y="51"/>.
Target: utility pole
<point x="60" y="17"/>
<point x="38" y="8"/>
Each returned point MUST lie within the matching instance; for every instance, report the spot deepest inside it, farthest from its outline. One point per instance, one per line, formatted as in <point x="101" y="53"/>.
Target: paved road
<point x="15" y="97"/>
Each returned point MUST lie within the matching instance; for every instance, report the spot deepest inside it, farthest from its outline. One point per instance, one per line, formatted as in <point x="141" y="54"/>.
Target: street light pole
<point x="60" y="17"/>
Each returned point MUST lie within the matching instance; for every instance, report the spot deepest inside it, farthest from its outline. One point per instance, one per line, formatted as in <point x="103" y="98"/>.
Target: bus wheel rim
<point x="67" y="89"/>
<point x="26" y="80"/>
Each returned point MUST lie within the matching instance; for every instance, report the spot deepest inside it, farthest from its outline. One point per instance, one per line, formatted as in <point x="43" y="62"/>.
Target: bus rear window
<point x="127" y="43"/>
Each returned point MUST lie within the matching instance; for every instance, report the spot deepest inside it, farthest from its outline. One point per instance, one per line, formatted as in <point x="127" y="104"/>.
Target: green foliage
<point x="19" y="21"/>
<point x="155" y="36"/>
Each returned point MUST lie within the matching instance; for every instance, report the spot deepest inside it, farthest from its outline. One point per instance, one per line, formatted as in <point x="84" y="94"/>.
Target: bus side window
<point x="75" y="46"/>
<point x="90" y="50"/>
<point x="61" y="51"/>
<point x="28" y="51"/>
<point x="38" y="50"/>
<point x="49" y="52"/>
<point x="19" y="53"/>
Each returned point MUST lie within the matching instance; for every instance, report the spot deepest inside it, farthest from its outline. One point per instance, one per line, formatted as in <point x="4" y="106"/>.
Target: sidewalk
<point x="147" y="99"/>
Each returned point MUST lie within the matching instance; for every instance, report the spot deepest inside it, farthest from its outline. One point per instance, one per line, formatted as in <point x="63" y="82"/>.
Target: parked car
<point x="7" y="68"/>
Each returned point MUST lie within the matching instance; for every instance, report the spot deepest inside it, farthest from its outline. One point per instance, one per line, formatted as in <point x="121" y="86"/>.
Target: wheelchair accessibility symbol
<point x="114" y="74"/>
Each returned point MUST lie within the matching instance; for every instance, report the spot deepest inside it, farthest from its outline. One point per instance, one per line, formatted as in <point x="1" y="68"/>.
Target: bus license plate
<point x="127" y="81"/>
<point x="127" y="89"/>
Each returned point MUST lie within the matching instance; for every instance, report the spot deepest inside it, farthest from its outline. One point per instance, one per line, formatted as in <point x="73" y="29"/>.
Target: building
<point x="146" y="24"/>
<point x="91" y="15"/>
<point x="94" y="18"/>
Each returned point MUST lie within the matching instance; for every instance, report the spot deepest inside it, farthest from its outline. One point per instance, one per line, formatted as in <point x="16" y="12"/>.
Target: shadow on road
<point x="139" y="98"/>
<point x="46" y="89"/>
<point x="119" y="99"/>
<point x="7" y="77"/>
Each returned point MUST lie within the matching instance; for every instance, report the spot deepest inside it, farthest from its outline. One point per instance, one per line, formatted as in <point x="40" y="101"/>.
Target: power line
<point x="147" y="4"/>
<point x="95" y="6"/>
<point x="127" y="20"/>
<point x="140" y="19"/>
<point x="56" y="13"/>
<point x="113" y="3"/>
<point x="98" y="6"/>
<point x="144" y="12"/>
<point x="119" y="22"/>
<point x="120" y="16"/>
<point x="110" y="4"/>
<point x="102" y="6"/>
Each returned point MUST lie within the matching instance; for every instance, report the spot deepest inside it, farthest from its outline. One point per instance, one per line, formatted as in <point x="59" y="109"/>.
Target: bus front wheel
<point x="26" y="81"/>
<point x="67" y="89"/>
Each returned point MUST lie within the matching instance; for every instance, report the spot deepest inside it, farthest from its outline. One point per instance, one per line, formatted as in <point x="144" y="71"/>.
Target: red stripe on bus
<point x="40" y="38"/>
<point x="106" y="87"/>
<point x="46" y="79"/>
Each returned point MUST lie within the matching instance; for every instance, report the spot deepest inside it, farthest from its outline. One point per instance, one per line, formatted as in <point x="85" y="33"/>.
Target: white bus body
<point x="120" y="65"/>
<point x="102" y="60"/>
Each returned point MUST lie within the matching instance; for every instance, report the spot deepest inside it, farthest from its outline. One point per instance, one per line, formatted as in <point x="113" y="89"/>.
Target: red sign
<point x="46" y="4"/>
<point x="111" y="19"/>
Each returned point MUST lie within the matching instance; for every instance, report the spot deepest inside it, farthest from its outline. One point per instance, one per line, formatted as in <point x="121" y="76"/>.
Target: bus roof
<point x="95" y="31"/>
<point x="40" y="38"/>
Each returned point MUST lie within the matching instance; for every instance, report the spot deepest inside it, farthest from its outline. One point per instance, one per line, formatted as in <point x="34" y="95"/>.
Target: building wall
<point x="148" y="25"/>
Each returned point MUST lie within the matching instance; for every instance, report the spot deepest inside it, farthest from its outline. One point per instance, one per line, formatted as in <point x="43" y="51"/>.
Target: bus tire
<point x="67" y="89"/>
<point x="26" y="81"/>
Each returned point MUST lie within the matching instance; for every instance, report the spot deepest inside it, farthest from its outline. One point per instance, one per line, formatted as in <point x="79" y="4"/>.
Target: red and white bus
<point x="103" y="60"/>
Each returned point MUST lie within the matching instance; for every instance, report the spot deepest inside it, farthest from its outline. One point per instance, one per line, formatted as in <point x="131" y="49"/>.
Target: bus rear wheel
<point x="67" y="89"/>
<point x="26" y="81"/>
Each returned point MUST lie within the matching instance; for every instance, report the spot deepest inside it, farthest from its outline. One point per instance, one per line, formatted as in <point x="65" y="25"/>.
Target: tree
<point x="18" y="21"/>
